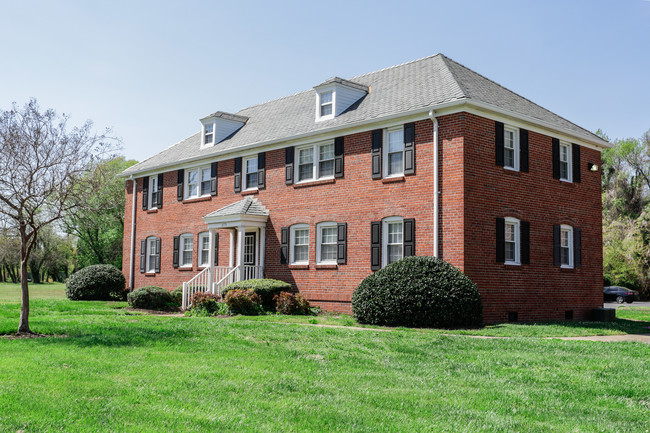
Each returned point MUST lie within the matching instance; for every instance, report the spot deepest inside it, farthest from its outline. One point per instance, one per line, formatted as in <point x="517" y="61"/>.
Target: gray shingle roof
<point x="419" y="84"/>
<point x="246" y="206"/>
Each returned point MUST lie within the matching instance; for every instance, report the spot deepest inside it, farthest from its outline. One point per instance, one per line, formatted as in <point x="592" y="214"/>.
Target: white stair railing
<point x="252" y="272"/>
<point x="200" y="283"/>
<point x="229" y="278"/>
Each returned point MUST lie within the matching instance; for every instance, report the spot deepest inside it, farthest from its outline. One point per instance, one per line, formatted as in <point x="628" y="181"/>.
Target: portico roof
<point x="248" y="212"/>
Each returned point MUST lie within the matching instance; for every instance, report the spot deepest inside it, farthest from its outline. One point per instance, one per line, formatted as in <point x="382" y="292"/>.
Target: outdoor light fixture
<point x="592" y="166"/>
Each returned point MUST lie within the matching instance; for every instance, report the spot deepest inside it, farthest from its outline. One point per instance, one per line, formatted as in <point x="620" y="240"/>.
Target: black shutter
<point x="523" y="150"/>
<point x="179" y="188"/>
<point x="375" y="245"/>
<point x="501" y="240"/>
<point x="261" y="170"/>
<point x="160" y="190"/>
<point x="409" y="237"/>
<point x="177" y="241"/>
<point x="288" y="165"/>
<point x="577" y="247"/>
<point x="284" y="245"/>
<point x="556" y="158"/>
<point x="377" y="136"/>
<point x="143" y="255"/>
<point x="525" y="242"/>
<point x="341" y="243"/>
<point x="338" y="157"/>
<point x="216" y="249"/>
<point x="575" y="155"/>
<point x="498" y="142"/>
<point x="409" y="148"/>
<point x="145" y="193"/>
<point x="214" y="170"/>
<point x="556" y="246"/>
<point x="238" y="174"/>
<point x="158" y="255"/>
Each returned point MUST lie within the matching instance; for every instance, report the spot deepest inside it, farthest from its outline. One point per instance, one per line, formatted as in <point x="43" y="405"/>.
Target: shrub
<point x="288" y="303"/>
<point x="265" y="288"/>
<point x="206" y="304"/>
<point x="177" y="296"/>
<point x="152" y="298"/>
<point x="418" y="292"/>
<point x="245" y="302"/>
<point x="96" y="283"/>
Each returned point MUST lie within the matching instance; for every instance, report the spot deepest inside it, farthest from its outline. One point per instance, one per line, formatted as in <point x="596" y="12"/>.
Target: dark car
<point x="620" y="294"/>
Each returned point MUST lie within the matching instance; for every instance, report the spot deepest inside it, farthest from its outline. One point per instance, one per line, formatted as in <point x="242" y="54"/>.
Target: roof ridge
<point x="397" y="66"/>
<point x="462" y="88"/>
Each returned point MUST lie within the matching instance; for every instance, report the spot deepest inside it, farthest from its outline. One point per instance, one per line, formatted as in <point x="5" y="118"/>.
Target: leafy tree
<point x="43" y="175"/>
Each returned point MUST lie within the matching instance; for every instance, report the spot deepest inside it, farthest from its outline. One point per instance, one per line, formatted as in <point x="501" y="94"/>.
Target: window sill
<point x="298" y="266"/>
<point x="512" y="171"/>
<point x="185" y="268"/>
<point x="152" y="210"/>
<point x="512" y="264"/>
<point x="327" y="266"/>
<point x="566" y="181"/>
<point x="566" y="268"/>
<point x="250" y="191"/>
<point x="149" y="274"/>
<point x="195" y="199"/>
<point x="394" y="179"/>
<point x="314" y="183"/>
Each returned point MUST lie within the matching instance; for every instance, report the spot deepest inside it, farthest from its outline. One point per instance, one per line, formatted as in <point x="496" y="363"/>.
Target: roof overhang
<point x="236" y="220"/>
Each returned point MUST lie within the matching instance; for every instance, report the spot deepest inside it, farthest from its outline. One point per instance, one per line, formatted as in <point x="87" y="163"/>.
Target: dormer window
<point x="336" y="95"/>
<point x="208" y="135"/>
<point x="219" y="126"/>
<point x="326" y="104"/>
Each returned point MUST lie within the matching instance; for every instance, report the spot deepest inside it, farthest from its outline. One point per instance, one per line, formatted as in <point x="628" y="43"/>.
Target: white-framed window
<point x="299" y="241"/>
<point x="315" y="161"/>
<point x="153" y="255"/>
<point x="566" y="246"/>
<point x="326" y="104"/>
<point x="565" y="162"/>
<point x="326" y="243"/>
<point x="250" y="172"/>
<point x="511" y="148"/>
<point x="392" y="240"/>
<point x="197" y="182"/>
<point x="186" y="250"/>
<point x="208" y="133"/>
<point x="204" y="249"/>
<point x="394" y="152"/>
<point x="512" y="241"/>
<point x="153" y="192"/>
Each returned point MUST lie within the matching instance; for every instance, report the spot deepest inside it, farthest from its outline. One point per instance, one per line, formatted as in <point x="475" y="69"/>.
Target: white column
<point x="210" y="260"/>
<point x="262" y="255"/>
<point x="240" y="251"/>
<point x="231" y="255"/>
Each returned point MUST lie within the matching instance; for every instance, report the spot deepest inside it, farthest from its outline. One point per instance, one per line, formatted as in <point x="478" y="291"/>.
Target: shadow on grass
<point x="621" y="325"/>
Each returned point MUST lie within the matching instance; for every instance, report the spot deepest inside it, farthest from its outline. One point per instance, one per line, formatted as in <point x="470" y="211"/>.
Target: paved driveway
<point x="633" y="304"/>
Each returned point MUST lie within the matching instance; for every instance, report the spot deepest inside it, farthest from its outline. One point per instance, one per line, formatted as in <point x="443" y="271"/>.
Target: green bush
<point x="152" y="298"/>
<point x="265" y="288"/>
<point x="206" y="304"/>
<point x="177" y="295"/>
<point x="288" y="303"/>
<point x="96" y="283"/>
<point x="418" y="292"/>
<point x="245" y="302"/>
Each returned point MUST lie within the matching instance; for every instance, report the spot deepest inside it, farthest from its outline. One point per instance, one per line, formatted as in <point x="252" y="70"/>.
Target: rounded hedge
<point x="418" y="291"/>
<point x="265" y="288"/>
<point x="96" y="283"/>
<point x="152" y="298"/>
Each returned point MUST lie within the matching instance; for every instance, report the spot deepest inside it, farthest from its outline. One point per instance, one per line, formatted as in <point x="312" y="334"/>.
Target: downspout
<point x="436" y="191"/>
<point x="132" y="255"/>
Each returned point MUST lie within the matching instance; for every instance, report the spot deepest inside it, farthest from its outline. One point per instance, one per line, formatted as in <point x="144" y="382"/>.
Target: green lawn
<point x="11" y="292"/>
<point x="121" y="371"/>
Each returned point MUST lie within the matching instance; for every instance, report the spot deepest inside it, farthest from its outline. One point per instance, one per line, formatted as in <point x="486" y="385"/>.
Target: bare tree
<point x="43" y="165"/>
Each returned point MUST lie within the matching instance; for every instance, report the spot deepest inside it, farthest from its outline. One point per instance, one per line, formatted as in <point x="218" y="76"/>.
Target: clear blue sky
<point x="151" y="69"/>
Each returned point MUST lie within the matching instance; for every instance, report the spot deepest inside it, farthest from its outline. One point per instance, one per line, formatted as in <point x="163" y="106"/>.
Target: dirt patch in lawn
<point x="640" y="338"/>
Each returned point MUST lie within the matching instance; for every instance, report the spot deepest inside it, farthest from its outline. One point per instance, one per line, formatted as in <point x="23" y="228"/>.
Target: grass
<point x="120" y="370"/>
<point x="10" y="292"/>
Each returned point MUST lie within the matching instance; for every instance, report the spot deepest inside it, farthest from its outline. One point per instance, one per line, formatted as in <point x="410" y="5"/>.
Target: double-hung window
<point x="512" y="241"/>
<point x="187" y="250"/>
<point x="153" y="192"/>
<point x="393" y="237"/>
<point x="326" y="104"/>
<point x="511" y="148"/>
<point x="299" y="253"/>
<point x="250" y="167"/>
<point x="208" y="133"/>
<point x="566" y="246"/>
<point x="326" y="243"/>
<point x="198" y="182"/>
<point x="153" y="255"/>
<point x="394" y="152"/>
<point x="315" y="162"/>
<point x="204" y="248"/>
<point x="565" y="162"/>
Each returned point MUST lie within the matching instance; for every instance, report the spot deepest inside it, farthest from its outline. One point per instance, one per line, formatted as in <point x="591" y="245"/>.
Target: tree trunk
<point x="23" y="326"/>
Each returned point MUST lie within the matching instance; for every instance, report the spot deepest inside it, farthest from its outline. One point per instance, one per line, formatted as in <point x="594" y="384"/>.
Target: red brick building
<point x="323" y="187"/>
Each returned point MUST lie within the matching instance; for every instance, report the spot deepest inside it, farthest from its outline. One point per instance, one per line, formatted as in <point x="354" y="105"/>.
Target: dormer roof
<point x="226" y="116"/>
<point x="343" y="82"/>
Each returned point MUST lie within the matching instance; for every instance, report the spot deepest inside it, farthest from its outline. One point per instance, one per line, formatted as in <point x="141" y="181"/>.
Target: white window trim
<point x="319" y="242"/>
<point x="569" y="229"/>
<point x="186" y="185"/>
<point x="151" y="267"/>
<point x="292" y="243"/>
<point x="151" y="192"/>
<point x="515" y="141"/>
<point x="318" y="104"/>
<point x="245" y="173"/>
<point x="181" y="250"/>
<point x="569" y="162"/>
<point x="384" y="237"/>
<point x="214" y="127"/>
<point x="517" y="224"/>
<point x="315" y="147"/>
<point x="385" y="152"/>
<point x="202" y="236"/>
